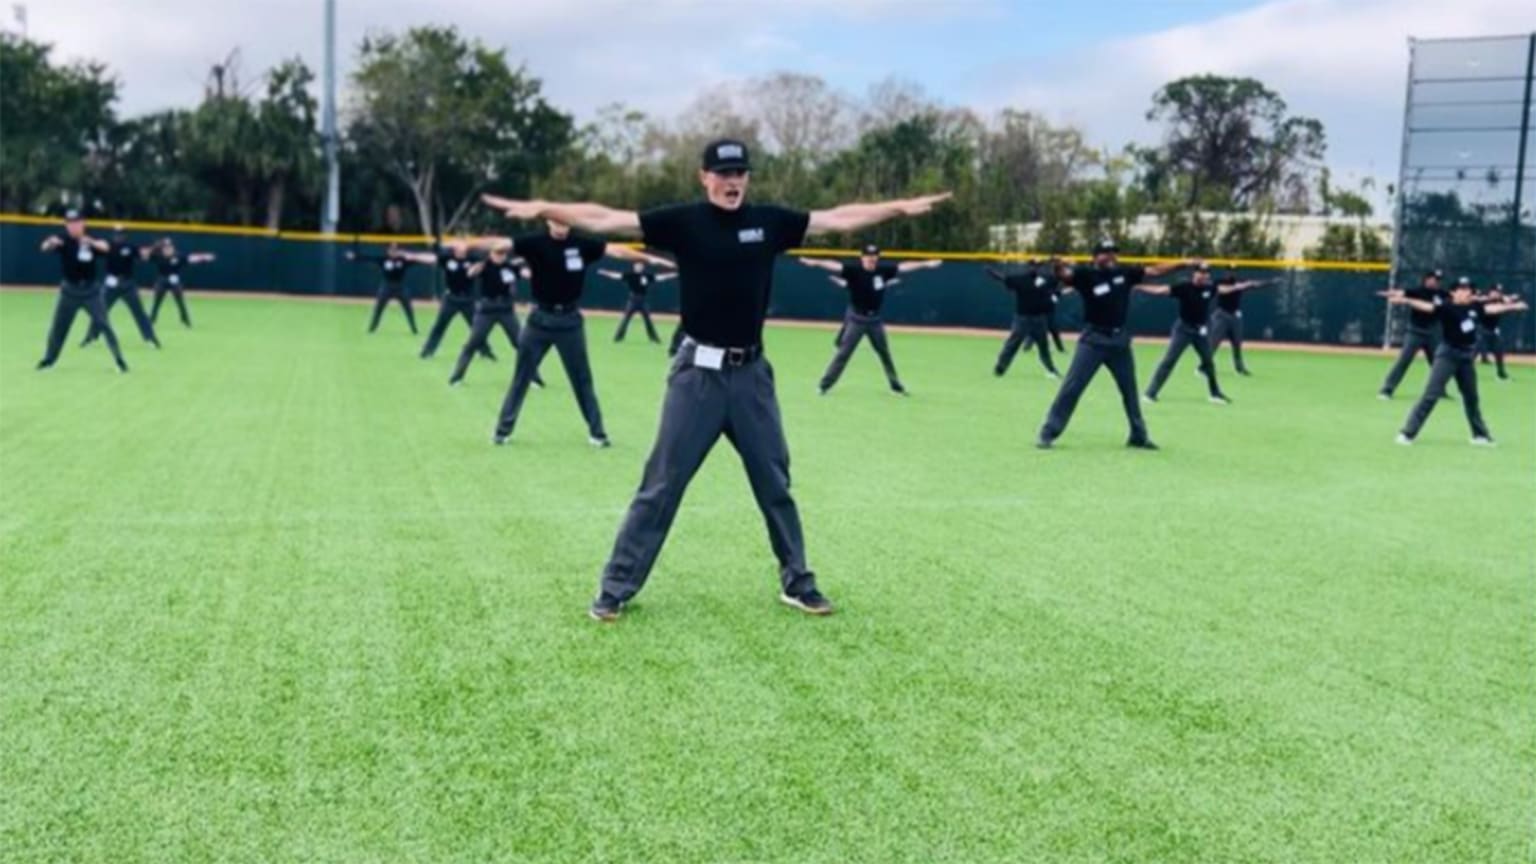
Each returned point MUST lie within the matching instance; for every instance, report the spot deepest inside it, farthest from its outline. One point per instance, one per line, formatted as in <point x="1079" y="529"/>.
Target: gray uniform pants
<point x="1183" y="336"/>
<point x="1416" y="340"/>
<point x="1097" y="348"/>
<point x="636" y="305"/>
<point x="566" y="333"/>
<point x="1450" y="362"/>
<point x="488" y="316"/>
<point x="450" y="306"/>
<point x="1228" y="326"/>
<point x="392" y="291"/>
<point x="1027" y="330"/>
<point x="738" y="402"/>
<point x="1491" y="342"/>
<point x="128" y="293"/>
<point x="856" y="327"/>
<point x="163" y="286"/>
<point x="75" y="297"/>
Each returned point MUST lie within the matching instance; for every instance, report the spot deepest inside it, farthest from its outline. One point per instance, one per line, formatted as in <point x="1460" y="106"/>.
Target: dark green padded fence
<point x="1306" y="305"/>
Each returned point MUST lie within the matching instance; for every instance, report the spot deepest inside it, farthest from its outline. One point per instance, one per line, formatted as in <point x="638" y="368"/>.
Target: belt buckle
<point x="736" y="356"/>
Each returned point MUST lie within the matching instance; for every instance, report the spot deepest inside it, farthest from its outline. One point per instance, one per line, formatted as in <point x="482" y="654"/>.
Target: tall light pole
<point x="332" y="213"/>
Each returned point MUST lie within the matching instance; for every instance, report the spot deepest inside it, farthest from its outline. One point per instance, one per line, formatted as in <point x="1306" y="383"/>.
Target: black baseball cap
<point x="1463" y="282"/>
<point x="72" y="215"/>
<point x="1202" y="267"/>
<point x="1434" y="274"/>
<point x="871" y="249"/>
<point x="1104" y="245"/>
<point x="726" y="154"/>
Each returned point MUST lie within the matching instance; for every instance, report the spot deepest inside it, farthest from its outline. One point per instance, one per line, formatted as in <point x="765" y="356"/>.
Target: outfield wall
<point x="1321" y="302"/>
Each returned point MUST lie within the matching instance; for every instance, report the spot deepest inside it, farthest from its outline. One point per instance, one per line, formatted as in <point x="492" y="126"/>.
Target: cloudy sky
<point x="1094" y="63"/>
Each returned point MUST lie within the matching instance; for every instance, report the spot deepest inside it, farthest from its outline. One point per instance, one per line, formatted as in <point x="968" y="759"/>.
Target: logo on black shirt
<point x="750" y="235"/>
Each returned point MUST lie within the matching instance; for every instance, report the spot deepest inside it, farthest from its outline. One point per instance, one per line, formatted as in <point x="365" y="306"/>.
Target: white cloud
<point x="1341" y="61"/>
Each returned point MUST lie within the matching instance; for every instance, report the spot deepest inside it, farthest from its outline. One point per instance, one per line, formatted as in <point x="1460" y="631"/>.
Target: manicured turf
<point x="274" y="596"/>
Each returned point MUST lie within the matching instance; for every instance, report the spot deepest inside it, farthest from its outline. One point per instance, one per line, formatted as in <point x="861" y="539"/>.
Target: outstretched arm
<point x="829" y="266"/>
<point x="909" y="266"/>
<point x="1401" y="300"/>
<point x="595" y="218"/>
<point x="624" y="253"/>
<point x="856" y="217"/>
<point x="474" y="269"/>
<point x="1157" y="270"/>
<point x="1509" y="306"/>
<point x="838" y="281"/>
<point x="200" y="257"/>
<point x="995" y="274"/>
<point x="665" y="277"/>
<point x="419" y="257"/>
<point x="1153" y="288"/>
<point x="51" y="243"/>
<point x="610" y="274"/>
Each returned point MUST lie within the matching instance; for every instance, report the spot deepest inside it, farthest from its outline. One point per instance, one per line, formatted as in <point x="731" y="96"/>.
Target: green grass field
<point x="274" y="596"/>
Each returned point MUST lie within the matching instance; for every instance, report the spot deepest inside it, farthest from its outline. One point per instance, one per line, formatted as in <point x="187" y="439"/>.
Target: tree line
<point x="432" y="118"/>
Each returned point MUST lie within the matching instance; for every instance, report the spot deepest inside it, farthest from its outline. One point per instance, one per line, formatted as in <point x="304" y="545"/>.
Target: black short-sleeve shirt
<point x="866" y="288"/>
<point x="1194" y="302"/>
<point x="170" y="266"/>
<point x="456" y="274"/>
<point x="1106" y="293"/>
<point x="393" y="268"/>
<point x="1231" y="301"/>
<point x="1034" y="293"/>
<point x="77" y="260"/>
<point x="639" y="283"/>
<point x="498" y="282"/>
<point x="559" y="267"/>
<point x="1458" y="323"/>
<point x="121" y="259"/>
<point x="725" y="261"/>
<point x="1488" y="320"/>
<point x="1424" y="320"/>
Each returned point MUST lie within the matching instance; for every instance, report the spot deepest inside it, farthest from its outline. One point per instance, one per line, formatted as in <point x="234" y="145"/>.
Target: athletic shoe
<point x="1220" y="399"/>
<point x="1404" y="440"/>
<point x="122" y="367"/>
<point x="156" y="343"/>
<point x="1385" y="396"/>
<point x="539" y="383"/>
<point x="1149" y="398"/>
<point x="1245" y="373"/>
<point x="599" y="442"/>
<point x="1044" y="443"/>
<point x="810" y="602"/>
<point x="821" y="391"/>
<point x="1144" y="444"/>
<point x="454" y="382"/>
<point x="499" y="439"/>
<point x="606" y="609"/>
<point x="998" y="372"/>
<point x="43" y="364"/>
<point x="899" y="390"/>
<point x="1483" y="441"/>
<point x="1054" y="376"/>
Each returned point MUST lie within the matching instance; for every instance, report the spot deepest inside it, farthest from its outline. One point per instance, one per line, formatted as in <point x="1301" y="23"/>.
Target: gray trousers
<point x="76" y="297"/>
<point x="488" y="316"/>
<point x="1183" y="337"/>
<point x="449" y="307"/>
<point x="566" y="333"/>
<point x="1228" y="326"/>
<point x="128" y="293"/>
<point x="1097" y="348"/>
<point x="701" y="405"/>
<point x="1491" y="342"/>
<point x="1450" y="362"/>
<point x="164" y="286"/>
<point x="1027" y="330"/>
<point x="636" y="305"/>
<point x="855" y="328"/>
<point x="392" y="291"/>
<point x="1416" y="340"/>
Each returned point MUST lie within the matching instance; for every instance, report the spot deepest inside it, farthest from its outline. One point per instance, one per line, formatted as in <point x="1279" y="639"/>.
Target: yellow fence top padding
<point x="414" y="239"/>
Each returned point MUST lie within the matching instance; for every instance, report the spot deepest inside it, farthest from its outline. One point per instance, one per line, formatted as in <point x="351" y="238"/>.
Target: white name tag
<point x="706" y="357"/>
<point x="453" y="265"/>
<point x="1101" y="289"/>
<point x="84" y="254"/>
<point x="508" y="277"/>
<point x="1039" y="282"/>
<point x="879" y="284"/>
<point x="1202" y="329"/>
<point x="1466" y="326"/>
<point x="1239" y="313"/>
<point x="175" y="280"/>
<point x="111" y="281"/>
<point x="750" y="235"/>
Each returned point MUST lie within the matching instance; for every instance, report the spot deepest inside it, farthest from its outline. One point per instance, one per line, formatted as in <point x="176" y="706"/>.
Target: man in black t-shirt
<point x="867" y="282"/>
<point x="720" y="384"/>
<point x="78" y="291"/>
<point x="1106" y="289"/>
<point x="559" y="260"/>
<point x="1490" y="341"/>
<point x="1036" y="292"/>
<point x="458" y="299"/>
<point x="392" y="267"/>
<point x="1421" y="329"/>
<point x="169" y="264"/>
<point x="1191" y="327"/>
<point x="1457" y="317"/>
<point x="1227" y="318"/>
<point x="639" y="280"/>
<point x="119" y="284"/>
<point x="497" y="273"/>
